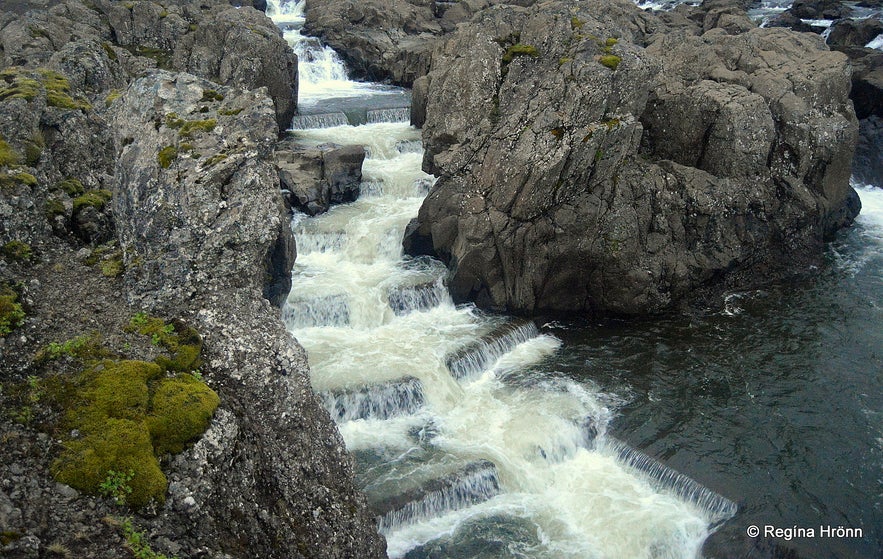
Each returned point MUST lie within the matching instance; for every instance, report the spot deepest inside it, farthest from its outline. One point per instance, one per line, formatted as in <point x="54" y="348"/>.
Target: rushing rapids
<point x="456" y="425"/>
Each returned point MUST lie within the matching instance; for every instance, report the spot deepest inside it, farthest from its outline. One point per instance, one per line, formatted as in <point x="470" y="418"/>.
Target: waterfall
<point x="451" y="413"/>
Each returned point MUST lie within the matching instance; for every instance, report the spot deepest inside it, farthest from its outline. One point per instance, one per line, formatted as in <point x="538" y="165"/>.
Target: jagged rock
<point x="317" y="178"/>
<point x="102" y="45"/>
<point x="854" y="32"/>
<point x="343" y="172"/>
<point x="820" y="9"/>
<point x="791" y="21"/>
<point x="867" y="80"/>
<point x="594" y="175"/>
<point x="868" y="162"/>
<point x="198" y="211"/>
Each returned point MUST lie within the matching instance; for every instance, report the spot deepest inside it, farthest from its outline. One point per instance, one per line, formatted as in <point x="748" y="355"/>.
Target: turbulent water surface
<point x="481" y="436"/>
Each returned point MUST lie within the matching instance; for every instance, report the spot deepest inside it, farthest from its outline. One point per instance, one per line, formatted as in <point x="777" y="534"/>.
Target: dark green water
<point x="775" y="403"/>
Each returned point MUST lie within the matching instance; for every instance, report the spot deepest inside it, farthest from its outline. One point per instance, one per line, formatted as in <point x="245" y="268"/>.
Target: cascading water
<point x="458" y="430"/>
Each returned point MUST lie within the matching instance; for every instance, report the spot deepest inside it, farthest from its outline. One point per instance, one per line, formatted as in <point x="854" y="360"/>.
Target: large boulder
<point x="317" y="178"/>
<point x="580" y="172"/>
<point x="199" y="212"/>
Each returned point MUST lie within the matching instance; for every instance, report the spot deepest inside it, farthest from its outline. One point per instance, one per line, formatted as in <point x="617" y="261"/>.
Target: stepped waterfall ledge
<point x="456" y="425"/>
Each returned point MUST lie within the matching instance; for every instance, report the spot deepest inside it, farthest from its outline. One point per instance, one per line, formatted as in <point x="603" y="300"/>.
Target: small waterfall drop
<point x="454" y="421"/>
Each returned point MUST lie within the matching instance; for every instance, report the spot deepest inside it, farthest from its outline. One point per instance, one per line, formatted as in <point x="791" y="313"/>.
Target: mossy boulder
<point x="120" y="445"/>
<point x="11" y="313"/>
<point x="182" y="408"/>
<point x="127" y="413"/>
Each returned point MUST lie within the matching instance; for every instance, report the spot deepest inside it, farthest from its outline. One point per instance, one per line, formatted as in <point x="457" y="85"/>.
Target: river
<point x="479" y="436"/>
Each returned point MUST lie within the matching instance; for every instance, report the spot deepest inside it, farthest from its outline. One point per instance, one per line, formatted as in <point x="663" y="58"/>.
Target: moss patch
<point x="610" y="61"/>
<point x="11" y="180"/>
<point x="8" y="156"/>
<point x="11" y="313"/>
<point x="182" y="408"/>
<point x="167" y="156"/>
<point x="519" y="50"/>
<point x="209" y="95"/>
<point x="192" y="127"/>
<point x="53" y="208"/>
<point x="71" y="187"/>
<point x="93" y="198"/>
<point x="17" y="250"/>
<point x="28" y="84"/>
<point x="128" y="413"/>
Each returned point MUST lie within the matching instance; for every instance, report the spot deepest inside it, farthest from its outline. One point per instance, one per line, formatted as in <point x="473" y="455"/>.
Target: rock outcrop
<point x="103" y="45"/>
<point x="124" y="189"/>
<point x="199" y="223"/>
<point x="580" y="171"/>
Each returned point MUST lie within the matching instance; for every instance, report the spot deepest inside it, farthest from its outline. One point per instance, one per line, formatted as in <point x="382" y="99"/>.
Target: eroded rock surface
<point x="580" y="171"/>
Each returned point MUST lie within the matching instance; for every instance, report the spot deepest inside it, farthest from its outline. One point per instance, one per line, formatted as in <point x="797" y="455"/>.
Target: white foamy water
<point x="455" y="387"/>
<point x="871" y="217"/>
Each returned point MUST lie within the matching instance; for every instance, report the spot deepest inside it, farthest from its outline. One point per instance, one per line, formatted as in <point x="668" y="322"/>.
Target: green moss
<point x="11" y="313"/>
<point x="82" y="347"/>
<point x="93" y="198"/>
<point x="8" y="156"/>
<point x="611" y="124"/>
<point x="118" y="445"/>
<point x="191" y="127"/>
<point x="183" y="342"/>
<point x="167" y="156"/>
<point x="112" y="96"/>
<point x="611" y="42"/>
<point x="19" y="87"/>
<point x="173" y="121"/>
<point x="163" y="58"/>
<point x="11" y="180"/>
<point x="138" y="542"/>
<point x="192" y="27"/>
<point x="217" y="158"/>
<point x="72" y="187"/>
<point x="182" y="408"/>
<point x="17" y="250"/>
<point x="519" y="50"/>
<point x="34" y="149"/>
<point x="21" y="84"/>
<point x="58" y="91"/>
<point x="610" y="61"/>
<point x="113" y="267"/>
<point x="54" y="207"/>
<point x="209" y="95"/>
<point x="599" y="154"/>
<point x="108" y="48"/>
<point x="230" y="112"/>
<point x="127" y="414"/>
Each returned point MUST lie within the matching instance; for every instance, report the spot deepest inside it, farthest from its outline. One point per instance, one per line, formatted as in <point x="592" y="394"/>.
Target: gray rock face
<point x="197" y="223"/>
<point x="102" y="45"/>
<point x="591" y="174"/>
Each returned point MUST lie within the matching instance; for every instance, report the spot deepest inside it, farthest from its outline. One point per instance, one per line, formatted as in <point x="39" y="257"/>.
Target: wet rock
<point x="318" y="178"/>
<point x="580" y="172"/>
<point x="791" y="21"/>
<point x="854" y="32"/>
<point x="820" y="9"/>
<point x="343" y="172"/>
<point x="868" y="162"/>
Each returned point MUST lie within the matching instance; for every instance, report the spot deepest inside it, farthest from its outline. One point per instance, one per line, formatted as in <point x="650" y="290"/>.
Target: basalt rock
<point x="317" y="178"/>
<point x="819" y="9"/>
<point x="581" y="172"/>
<point x="199" y="214"/>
